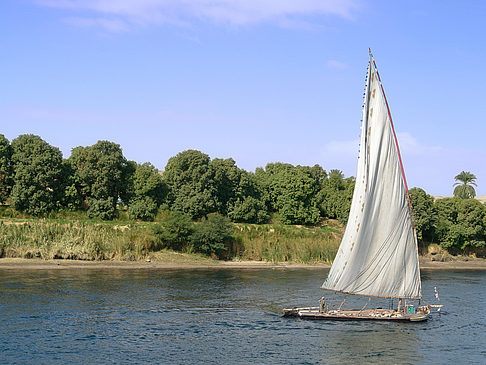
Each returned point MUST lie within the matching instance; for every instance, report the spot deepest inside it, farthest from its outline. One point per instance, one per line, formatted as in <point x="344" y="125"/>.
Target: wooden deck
<point x="355" y="314"/>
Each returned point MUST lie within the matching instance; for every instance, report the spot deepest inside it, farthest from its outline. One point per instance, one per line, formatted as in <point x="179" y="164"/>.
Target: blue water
<point x="223" y="316"/>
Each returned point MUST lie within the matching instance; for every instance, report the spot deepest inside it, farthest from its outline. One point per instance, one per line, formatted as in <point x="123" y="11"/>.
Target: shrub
<point x="212" y="234"/>
<point x="102" y="209"/>
<point x="249" y="210"/>
<point x="424" y="212"/>
<point x="174" y="231"/>
<point x="294" y="212"/>
<point x="461" y="224"/>
<point x="143" y="208"/>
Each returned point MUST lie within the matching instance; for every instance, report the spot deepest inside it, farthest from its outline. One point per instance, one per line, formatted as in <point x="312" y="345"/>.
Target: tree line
<point x="98" y="179"/>
<point x="36" y="179"/>
<point x="458" y="224"/>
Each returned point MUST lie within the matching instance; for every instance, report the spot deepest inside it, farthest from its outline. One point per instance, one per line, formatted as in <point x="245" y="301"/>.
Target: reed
<point x="55" y="238"/>
<point x="278" y="243"/>
<point x="78" y="241"/>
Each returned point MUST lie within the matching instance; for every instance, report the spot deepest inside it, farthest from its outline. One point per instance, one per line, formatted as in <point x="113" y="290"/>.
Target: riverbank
<point x="471" y="264"/>
<point x="185" y="262"/>
<point x="39" y="264"/>
<point x="52" y="244"/>
<point x="104" y="241"/>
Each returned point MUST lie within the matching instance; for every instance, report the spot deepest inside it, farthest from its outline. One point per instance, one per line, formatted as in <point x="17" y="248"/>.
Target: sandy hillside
<point x="481" y="198"/>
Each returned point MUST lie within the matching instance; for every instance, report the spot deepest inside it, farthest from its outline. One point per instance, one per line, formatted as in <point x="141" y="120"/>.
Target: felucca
<point x="378" y="255"/>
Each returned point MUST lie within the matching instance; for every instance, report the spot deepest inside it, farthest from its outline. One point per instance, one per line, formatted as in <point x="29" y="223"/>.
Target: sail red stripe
<point x="396" y="144"/>
<point x="404" y="178"/>
<point x="393" y="130"/>
<point x="394" y="136"/>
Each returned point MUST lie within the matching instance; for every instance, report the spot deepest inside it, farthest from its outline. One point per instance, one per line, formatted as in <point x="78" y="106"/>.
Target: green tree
<point x="6" y="181"/>
<point x="461" y="224"/>
<point x="174" y="231"/>
<point x="71" y="199"/>
<point x="249" y="194"/>
<point x="144" y="208"/>
<point x="424" y="212"/>
<point x="446" y="217"/>
<point x="227" y="178"/>
<point x="102" y="208"/>
<point x="334" y="198"/>
<point x="101" y="175"/>
<point x="212" y="235"/>
<point x="249" y="210"/>
<point x="232" y="183"/>
<point x="319" y="174"/>
<point x="191" y="181"/>
<point x="291" y="191"/>
<point x="463" y="186"/>
<point x="238" y="195"/>
<point x="198" y="186"/>
<point x="336" y="179"/>
<point x="272" y="180"/>
<point x="147" y="193"/>
<point x="38" y="175"/>
<point x="471" y="216"/>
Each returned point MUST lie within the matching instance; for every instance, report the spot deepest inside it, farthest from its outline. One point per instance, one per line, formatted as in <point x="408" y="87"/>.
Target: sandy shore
<point x="39" y="264"/>
<point x="471" y="264"/>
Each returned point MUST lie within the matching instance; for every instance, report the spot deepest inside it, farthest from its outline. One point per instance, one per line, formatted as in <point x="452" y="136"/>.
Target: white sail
<point x="378" y="253"/>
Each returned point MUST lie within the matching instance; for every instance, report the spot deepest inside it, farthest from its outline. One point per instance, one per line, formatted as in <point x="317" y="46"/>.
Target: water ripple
<point x="215" y="316"/>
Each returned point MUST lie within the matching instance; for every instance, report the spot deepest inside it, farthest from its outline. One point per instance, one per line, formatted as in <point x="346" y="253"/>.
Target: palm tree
<point x="464" y="182"/>
<point x="336" y="179"/>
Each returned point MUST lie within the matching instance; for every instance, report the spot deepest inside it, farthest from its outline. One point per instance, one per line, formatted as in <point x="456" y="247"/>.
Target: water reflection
<point x="222" y="316"/>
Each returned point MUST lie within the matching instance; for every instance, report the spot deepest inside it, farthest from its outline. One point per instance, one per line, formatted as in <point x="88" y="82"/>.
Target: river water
<point x="223" y="316"/>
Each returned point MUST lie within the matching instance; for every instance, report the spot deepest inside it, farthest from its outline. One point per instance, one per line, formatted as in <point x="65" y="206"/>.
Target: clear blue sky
<point x="259" y="81"/>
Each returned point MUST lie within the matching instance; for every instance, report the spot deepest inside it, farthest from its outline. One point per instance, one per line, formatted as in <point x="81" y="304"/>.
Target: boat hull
<point x="313" y="313"/>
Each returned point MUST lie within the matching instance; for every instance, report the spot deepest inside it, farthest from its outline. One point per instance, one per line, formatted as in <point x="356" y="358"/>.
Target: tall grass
<point x="277" y="243"/>
<point x="78" y="241"/>
<point x="84" y="240"/>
